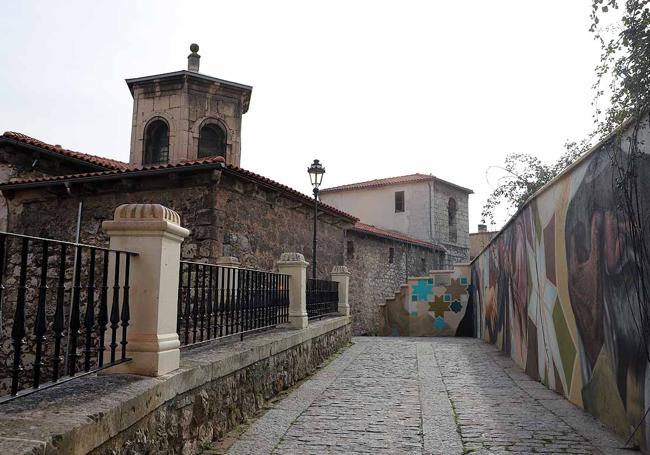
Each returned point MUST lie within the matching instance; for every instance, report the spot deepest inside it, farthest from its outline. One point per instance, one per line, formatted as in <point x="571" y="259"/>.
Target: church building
<point x="185" y="154"/>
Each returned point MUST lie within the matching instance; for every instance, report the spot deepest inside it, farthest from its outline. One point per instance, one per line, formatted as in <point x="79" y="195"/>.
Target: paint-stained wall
<point x="554" y="291"/>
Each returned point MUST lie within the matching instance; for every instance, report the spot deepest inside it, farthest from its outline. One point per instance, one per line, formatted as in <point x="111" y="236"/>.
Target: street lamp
<point x="316" y="171"/>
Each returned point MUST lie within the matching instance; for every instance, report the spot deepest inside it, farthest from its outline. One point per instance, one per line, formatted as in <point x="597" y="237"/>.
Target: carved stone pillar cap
<point x="152" y="219"/>
<point x="146" y="212"/>
<point x="340" y="270"/>
<point x="292" y="258"/>
<point x="228" y="260"/>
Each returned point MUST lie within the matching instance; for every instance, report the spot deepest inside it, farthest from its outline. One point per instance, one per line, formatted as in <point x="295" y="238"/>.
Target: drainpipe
<point x="74" y="270"/>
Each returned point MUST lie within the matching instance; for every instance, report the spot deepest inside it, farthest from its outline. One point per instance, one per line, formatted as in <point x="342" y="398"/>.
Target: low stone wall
<point x="218" y="386"/>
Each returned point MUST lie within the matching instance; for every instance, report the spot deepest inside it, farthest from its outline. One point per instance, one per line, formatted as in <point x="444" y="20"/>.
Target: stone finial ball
<point x="194" y="47"/>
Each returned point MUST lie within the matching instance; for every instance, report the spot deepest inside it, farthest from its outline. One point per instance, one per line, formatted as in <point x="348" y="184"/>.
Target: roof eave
<point x="52" y="154"/>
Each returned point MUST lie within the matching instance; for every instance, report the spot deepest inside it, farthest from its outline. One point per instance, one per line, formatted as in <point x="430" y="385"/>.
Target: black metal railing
<point x="59" y="299"/>
<point x="322" y="298"/>
<point x="217" y="301"/>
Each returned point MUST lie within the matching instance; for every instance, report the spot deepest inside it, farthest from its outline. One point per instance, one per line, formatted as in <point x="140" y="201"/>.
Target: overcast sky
<point x="373" y="89"/>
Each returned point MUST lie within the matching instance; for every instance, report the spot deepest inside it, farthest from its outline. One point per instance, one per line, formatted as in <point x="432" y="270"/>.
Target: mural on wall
<point x="553" y="291"/>
<point x="434" y="305"/>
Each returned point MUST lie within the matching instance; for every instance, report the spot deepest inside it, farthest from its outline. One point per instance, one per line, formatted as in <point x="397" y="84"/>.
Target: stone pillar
<point x="341" y="275"/>
<point x="154" y="232"/>
<point x="294" y="265"/>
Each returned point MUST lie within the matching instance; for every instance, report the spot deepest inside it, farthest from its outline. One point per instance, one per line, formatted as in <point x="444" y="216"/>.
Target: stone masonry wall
<point x="208" y="412"/>
<point x="225" y="217"/>
<point x="374" y="278"/>
<point x="457" y="251"/>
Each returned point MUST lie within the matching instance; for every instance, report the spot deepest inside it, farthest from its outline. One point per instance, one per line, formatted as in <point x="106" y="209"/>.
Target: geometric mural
<point x="433" y="305"/>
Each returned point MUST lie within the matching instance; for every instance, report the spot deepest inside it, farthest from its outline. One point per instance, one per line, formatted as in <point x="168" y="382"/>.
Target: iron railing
<point x="322" y="298"/>
<point x="218" y="301"/>
<point x="59" y="299"/>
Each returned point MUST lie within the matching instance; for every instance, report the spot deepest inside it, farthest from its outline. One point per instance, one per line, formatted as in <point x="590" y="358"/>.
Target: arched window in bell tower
<point x="212" y="141"/>
<point x="156" y="143"/>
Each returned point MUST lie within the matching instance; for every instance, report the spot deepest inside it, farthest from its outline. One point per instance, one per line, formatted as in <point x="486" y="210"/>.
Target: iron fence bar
<point x="75" y="317"/>
<point x="89" y="319"/>
<point x="115" y="309"/>
<point x="188" y="303"/>
<point x="126" y="310"/>
<point x="64" y="242"/>
<point x="59" y="316"/>
<point x="102" y="317"/>
<point x="40" y="327"/>
<point x="231" y="293"/>
<point x="18" y="330"/>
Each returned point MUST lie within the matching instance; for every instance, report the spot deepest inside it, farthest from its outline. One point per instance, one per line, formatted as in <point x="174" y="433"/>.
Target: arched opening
<point x="212" y="141"/>
<point x="453" y="231"/>
<point x="156" y="143"/>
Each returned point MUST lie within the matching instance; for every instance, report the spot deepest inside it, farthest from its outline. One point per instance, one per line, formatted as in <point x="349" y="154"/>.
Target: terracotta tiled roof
<point x="394" y="235"/>
<point x="257" y="178"/>
<point x="303" y="197"/>
<point x="125" y="171"/>
<point x="411" y="178"/>
<point x="92" y="159"/>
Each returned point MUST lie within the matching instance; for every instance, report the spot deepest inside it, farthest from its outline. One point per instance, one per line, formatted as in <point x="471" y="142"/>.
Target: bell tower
<point x="186" y="115"/>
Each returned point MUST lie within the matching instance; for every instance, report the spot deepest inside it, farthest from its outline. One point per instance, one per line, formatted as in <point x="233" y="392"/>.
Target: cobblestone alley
<point x="424" y="396"/>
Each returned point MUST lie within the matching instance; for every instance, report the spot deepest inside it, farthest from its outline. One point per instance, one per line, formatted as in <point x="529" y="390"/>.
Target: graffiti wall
<point x="554" y="291"/>
<point x="434" y="305"/>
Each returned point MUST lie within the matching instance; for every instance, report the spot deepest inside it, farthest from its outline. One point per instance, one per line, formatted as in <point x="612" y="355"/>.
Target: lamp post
<point x="316" y="171"/>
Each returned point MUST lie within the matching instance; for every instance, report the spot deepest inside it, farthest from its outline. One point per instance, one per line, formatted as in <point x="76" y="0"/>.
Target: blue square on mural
<point x="414" y="313"/>
<point x="430" y="281"/>
<point x="439" y="323"/>
<point x="456" y="306"/>
<point x="447" y="297"/>
<point x="414" y="298"/>
<point x="421" y="290"/>
<point x="463" y="280"/>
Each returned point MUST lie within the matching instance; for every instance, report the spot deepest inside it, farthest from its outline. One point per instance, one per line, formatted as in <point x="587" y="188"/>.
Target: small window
<point x="212" y="141"/>
<point x="391" y="255"/>
<point x="399" y="201"/>
<point x="350" y="249"/>
<point x="451" y="209"/>
<point x="156" y="143"/>
<point x="423" y="264"/>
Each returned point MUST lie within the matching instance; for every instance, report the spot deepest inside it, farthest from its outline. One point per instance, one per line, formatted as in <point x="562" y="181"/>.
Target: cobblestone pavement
<point x="424" y="396"/>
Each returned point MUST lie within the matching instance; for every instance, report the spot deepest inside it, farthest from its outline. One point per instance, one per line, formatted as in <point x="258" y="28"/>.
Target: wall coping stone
<point x="80" y="415"/>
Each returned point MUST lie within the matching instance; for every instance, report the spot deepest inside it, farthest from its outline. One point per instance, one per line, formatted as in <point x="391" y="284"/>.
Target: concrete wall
<point x="219" y="386"/>
<point x="425" y="215"/>
<point x="374" y="278"/>
<point x="556" y="291"/>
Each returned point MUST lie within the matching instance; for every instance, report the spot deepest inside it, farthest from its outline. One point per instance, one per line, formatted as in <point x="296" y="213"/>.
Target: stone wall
<point x="374" y="278"/>
<point x="218" y="387"/>
<point x="226" y="217"/>
<point x="458" y="251"/>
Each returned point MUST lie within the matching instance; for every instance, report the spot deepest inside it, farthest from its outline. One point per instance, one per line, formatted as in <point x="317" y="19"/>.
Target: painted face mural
<point x="556" y="291"/>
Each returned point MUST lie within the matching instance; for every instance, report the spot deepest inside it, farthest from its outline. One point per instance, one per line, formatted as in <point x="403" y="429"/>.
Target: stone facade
<point x="425" y="215"/>
<point x="187" y="101"/>
<point x="227" y="216"/>
<point x="374" y="278"/>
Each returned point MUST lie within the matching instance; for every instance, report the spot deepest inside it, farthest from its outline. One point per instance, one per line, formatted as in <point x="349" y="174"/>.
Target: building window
<point x="399" y="201"/>
<point x="391" y="255"/>
<point x="212" y="141"/>
<point x="156" y="143"/>
<point x="350" y="249"/>
<point x="453" y="230"/>
<point x="423" y="265"/>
